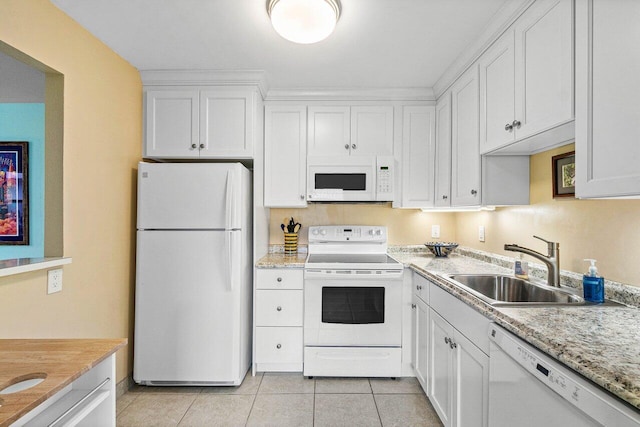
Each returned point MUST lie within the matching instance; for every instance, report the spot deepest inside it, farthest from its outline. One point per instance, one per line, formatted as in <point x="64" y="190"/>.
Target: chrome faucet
<point x="552" y="260"/>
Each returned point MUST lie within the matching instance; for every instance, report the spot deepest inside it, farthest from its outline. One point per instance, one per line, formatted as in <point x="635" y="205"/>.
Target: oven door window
<point x="352" y="305"/>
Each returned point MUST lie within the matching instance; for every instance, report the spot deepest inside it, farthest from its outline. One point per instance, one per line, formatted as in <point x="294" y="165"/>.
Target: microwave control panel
<point x="384" y="177"/>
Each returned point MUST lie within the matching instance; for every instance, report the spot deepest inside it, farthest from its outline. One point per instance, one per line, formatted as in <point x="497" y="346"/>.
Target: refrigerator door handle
<point x="228" y="213"/>
<point x="228" y="251"/>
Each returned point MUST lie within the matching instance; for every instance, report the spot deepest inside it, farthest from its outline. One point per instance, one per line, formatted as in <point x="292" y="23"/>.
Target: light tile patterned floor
<point x="281" y="400"/>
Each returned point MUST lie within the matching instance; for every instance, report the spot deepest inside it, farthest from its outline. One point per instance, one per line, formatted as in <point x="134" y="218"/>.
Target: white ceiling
<point x="377" y="43"/>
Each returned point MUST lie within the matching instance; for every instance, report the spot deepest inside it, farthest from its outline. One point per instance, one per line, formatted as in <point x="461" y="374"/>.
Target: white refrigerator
<point x="193" y="274"/>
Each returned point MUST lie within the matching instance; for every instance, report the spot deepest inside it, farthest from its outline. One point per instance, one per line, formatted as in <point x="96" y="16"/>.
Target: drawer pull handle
<point x="279" y="346"/>
<point x="58" y="420"/>
<point x="279" y="308"/>
<point x="279" y="279"/>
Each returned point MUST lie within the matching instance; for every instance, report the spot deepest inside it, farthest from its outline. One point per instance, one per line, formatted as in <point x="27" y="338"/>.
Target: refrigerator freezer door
<point x="189" y="324"/>
<point x="191" y="195"/>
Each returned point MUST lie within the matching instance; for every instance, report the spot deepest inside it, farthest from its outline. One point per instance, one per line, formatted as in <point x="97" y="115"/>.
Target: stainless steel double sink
<point x="503" y="290"/>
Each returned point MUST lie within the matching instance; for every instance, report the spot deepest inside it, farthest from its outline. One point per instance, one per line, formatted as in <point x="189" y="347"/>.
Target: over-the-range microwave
<point x="350" y="179"/>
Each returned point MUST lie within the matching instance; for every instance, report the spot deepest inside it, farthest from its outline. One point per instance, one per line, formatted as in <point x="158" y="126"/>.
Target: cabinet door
<point x="442" y="196"/>
<point x="372" y="131"/>
<point x="440" y="367"/>
<point x="471" y="388"/>
<point x="544" y="65"/>
<point x="329" y="131"/>
<point x="418" y="156"/>
<point x="171" y="129"/>
<point x="227" y="122"/>
<point x="285" y="151"/>
<point x="465" y="150"/>
<point x="607" y="93"/>
<point x="421" y="340"/>
<point x="497" y="94"/>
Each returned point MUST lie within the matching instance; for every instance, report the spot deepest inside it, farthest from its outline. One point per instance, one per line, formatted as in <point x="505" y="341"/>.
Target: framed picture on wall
<point x="564" y="175"/>
<point x="14" y="193"/>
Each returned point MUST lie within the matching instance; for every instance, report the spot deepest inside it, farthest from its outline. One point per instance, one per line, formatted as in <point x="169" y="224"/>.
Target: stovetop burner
<point x="349" y="247"/>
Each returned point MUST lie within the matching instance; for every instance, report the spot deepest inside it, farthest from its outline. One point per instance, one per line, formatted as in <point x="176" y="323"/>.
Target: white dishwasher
<point x="529" y="388"/>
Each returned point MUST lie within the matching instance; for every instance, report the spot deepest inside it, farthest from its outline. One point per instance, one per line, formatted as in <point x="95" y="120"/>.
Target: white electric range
<point x="352" y="303"/>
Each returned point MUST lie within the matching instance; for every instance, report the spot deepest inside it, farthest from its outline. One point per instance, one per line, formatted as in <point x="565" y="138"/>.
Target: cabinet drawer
<point x="279" y="308"/>
<point x="278" y="345"/>
<point x="420" y="287"/>
<point x="462" y="317"/>
<point x="279" y="279"/>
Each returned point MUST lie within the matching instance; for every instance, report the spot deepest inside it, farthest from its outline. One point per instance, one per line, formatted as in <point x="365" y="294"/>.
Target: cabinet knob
<point x="353" y="146"/>
<point x="278" y="346"/>
<point x="452" y="344"/>
<point x="194" y="146"/>
<point x="474" y="192"/>
<point x="302" y="197"/>
<point x="279" y="279"/>
<point x="516" y="124"/>
<point x="508" y="127"/>
<point x="413" y="306"/>
<point x="279" y="308"/>
<point x="346" y="146"/>
<point x="201" y="146"/>
<point x="418" y="287"/>
<point x="447" y="340"/>
<point x="445" y="197"/>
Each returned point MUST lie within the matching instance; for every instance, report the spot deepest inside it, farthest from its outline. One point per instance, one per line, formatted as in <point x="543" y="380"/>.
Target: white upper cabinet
<point x="227" y="122"/>
<point x="526" y="82"/>
<point x="329" y="131"/>
<point x="206" y="122"/>
<point x="442" y="196"/>
<point x="418" y="154"/>
<point x="497" y="92"/>
<point x="465" y="149"/>
<point x="285" y="143"/>
<point x="372" y="130"/>
<point x="356" y="130"/>
<point x="607" y="94"/>
<point x="172" y="123"/>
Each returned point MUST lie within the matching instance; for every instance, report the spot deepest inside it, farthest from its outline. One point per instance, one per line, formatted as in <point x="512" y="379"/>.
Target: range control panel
<point x="347" y="234"/>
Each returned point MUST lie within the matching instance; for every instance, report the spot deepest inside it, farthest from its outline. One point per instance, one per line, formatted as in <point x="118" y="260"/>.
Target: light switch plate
<point x="481" y="233"/>
<point x="435" y="231"/>
<point x="54" y="281"/>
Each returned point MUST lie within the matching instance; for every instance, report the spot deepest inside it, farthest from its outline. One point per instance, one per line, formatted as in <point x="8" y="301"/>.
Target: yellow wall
<point x="102" y="143"/>
<point x="607" y="230"/>
<point x="405" y="226"/>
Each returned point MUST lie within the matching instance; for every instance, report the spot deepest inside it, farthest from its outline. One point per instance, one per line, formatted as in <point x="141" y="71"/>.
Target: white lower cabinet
<point x="278" y="311"/>
<point x="90" y="400"/>
<point x="421" y="349"/>
<point x="459" y="374"/>
<point x="451" y="359"/>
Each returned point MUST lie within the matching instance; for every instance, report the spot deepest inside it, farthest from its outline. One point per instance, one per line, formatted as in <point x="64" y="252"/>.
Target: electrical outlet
<point x="54" y="282"/>
<point x="435" y="231"/>
<point x="481" y="233"/>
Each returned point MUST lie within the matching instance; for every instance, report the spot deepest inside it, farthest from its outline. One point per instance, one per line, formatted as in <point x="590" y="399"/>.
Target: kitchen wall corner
<point x="607" y="230"/>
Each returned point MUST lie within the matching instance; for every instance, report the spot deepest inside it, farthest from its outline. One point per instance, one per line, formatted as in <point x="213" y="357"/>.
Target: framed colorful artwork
<point x="14" y="193"/>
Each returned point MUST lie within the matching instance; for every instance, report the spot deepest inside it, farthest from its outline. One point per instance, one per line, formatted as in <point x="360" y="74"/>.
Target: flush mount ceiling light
<point x="304" y="21"/>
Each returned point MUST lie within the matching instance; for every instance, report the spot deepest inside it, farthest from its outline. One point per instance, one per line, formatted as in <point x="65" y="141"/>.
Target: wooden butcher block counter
<point x="79" y="381"/>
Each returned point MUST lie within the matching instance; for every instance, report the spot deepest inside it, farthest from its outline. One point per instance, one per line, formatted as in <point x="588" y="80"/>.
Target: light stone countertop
<point x="58" y="361"/>
<point x="602" y="343"/>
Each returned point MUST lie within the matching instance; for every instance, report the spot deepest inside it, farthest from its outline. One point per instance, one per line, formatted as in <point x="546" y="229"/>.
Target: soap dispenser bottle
<point x="592" y="284"/>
